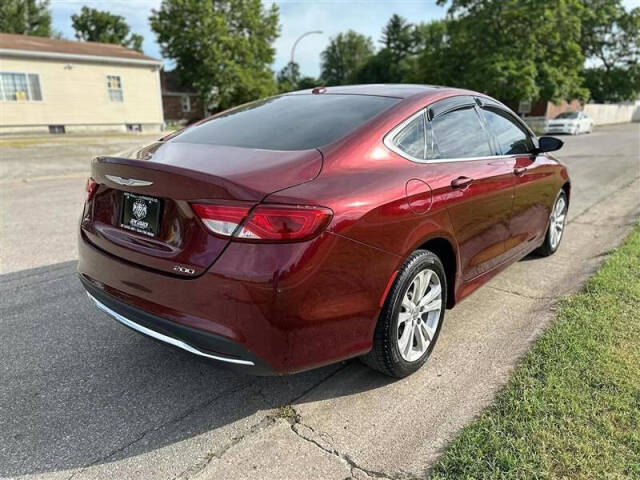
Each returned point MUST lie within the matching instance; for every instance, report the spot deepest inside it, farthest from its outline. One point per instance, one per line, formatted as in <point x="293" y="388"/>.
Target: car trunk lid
<point x="168" y="176"/>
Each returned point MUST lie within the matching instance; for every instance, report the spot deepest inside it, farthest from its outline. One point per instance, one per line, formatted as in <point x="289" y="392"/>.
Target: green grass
<point x="572" y="409"/>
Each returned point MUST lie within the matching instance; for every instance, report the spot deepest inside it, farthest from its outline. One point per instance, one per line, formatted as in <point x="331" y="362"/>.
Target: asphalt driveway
<point x="83" y="397"/>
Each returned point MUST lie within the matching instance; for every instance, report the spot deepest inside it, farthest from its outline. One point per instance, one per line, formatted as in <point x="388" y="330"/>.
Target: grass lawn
<point x="572" y="409"/>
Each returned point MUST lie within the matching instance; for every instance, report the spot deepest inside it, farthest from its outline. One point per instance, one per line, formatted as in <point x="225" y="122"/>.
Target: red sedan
<point x="319" y="225"/>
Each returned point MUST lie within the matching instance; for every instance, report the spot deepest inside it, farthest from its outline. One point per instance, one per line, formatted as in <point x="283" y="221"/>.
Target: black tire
<point x="548" y="248"/>
<point x="385" y="355"/>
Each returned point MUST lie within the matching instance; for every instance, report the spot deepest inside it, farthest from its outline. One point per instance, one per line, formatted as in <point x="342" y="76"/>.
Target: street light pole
<point x="293" y="48"/>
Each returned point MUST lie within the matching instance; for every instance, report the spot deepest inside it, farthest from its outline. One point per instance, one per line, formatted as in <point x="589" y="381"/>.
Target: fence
<point x="603" y="114"/>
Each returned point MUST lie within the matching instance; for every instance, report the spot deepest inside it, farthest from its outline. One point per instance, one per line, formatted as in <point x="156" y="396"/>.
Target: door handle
<point x="519" y="171"/>
<point x="461" y="182"/>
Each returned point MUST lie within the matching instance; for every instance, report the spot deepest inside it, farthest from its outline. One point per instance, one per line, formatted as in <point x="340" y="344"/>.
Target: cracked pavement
<point x="82" y="397"/>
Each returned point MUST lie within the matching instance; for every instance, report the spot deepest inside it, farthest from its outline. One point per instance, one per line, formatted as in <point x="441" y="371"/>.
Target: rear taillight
<point x="221" y="219"/>
<point x="90" y="189"/>
<point x="264" y="223"/>
<point x="282" y="223"/>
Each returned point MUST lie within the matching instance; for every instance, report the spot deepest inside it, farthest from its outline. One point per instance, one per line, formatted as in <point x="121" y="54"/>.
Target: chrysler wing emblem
<point x="129" y="182"/>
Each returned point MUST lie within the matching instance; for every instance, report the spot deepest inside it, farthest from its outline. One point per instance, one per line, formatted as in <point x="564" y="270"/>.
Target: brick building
<point x="546" y="109"/>
<point x="181" y="104"/>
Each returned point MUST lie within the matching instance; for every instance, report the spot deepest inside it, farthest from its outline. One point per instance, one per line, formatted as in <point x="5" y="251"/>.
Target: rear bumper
<point x="284" y="307"/>
<point x="194" y="341"/>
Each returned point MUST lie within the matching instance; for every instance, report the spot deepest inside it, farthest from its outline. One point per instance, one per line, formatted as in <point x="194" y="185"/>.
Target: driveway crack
<point x="195" y="469"/>
<point x="524" y="295"/>
<point x="325" y="443"/>
<point x="628" y="220"/>
<point x="176" y="419"/>
<point x="266" y="422"/>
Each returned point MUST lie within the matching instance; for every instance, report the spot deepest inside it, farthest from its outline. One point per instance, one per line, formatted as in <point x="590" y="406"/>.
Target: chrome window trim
<point x="390" y="136"/>
<point x="163" y="338"/>
<point x="397" y="129"/>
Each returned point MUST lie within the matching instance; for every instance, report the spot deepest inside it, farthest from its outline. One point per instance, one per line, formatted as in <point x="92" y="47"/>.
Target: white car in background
<point x="572" y="123"/>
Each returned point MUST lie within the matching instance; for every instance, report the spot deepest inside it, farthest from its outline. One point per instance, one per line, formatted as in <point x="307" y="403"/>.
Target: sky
<point x="296" y="17"/>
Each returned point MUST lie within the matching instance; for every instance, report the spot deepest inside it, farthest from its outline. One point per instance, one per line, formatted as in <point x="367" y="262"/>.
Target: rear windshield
<point x="289" y="122"/>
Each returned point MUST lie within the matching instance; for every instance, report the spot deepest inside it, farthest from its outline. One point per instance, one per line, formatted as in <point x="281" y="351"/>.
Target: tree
<point x="615" y="84"/>
<point x="224" y="48"/>
<point x="611" y="42"/>
<point x="308" y="82"/>
<point x="512" y="49"/>
<point x="378" y="68"/>
<point x="431" y="64"/>
<point x="388" y="65"/>
<point x="92" y="25"/>
<point x="397" y="37"/>
<point x="26" y="17"/>
<point x="610" y="34"/>
<point x="430" y="37"/>
<point x="344" y="55"/>
<point x="288" y="77"/>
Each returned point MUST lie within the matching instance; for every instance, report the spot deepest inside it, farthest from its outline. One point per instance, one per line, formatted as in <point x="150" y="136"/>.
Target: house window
<point x="185" y="103"/>
<point x="20" y="87"/>
<point x="114" y="87"/>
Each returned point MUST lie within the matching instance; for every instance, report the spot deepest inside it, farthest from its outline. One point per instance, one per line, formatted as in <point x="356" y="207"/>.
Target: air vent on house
<point x="134" y="127"/>
<point x="56" y="129"/>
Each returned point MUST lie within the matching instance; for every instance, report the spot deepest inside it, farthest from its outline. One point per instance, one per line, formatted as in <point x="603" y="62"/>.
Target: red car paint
<point x="301" y="305"/>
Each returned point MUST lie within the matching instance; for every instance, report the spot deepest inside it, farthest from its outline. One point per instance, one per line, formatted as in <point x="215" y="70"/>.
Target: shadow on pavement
<point x="80" y="389"/>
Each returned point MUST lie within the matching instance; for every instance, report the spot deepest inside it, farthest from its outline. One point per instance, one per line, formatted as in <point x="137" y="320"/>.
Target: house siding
<point x="74" y="94"/>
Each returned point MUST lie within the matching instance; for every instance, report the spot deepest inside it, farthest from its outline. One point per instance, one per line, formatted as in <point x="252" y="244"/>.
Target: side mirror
<point x="549" y="144"/>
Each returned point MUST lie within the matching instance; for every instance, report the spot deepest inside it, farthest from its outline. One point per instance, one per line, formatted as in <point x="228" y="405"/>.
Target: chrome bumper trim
<point x="163" y="338"/>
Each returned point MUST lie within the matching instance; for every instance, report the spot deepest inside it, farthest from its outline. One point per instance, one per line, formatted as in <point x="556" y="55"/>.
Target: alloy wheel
<point x="419" y="315"/>
<point x="556" y="224"/>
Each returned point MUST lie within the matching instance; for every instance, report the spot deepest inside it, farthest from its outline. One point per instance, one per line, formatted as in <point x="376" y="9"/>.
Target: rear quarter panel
<point x="366" y="187"/>
<point x="370" y="204"/>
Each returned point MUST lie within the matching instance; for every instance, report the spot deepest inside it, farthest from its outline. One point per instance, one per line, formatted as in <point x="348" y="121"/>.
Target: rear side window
<point x="459" y="134"/>
<point x="411" y="140"/>
<point x="289" y="122"/>
<point x="511" y="138"/>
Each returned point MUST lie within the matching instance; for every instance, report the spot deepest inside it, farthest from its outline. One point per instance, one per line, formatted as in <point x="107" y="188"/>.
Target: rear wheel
<point x="557" y="222"/>
<point x="411" y="318"/>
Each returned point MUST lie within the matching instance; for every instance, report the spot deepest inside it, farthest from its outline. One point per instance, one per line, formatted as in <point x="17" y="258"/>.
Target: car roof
<point x="397" y="90"/>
